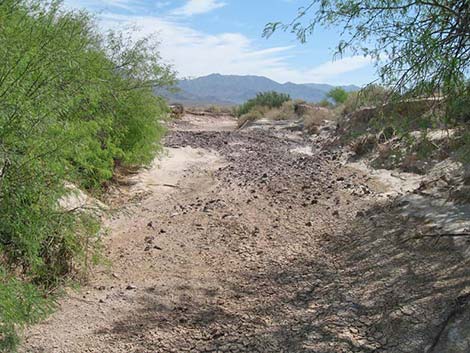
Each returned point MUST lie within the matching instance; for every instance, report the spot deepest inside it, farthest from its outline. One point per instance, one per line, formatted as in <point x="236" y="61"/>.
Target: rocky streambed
<point x="259" y="240"/>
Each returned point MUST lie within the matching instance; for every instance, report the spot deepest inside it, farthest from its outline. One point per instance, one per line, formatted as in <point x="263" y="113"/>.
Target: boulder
<point x="177" y="110"/>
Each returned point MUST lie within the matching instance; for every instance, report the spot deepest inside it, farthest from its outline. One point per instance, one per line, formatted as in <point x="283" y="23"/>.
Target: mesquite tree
<point x="75" y="103"/>
<point x="421" y="46"/>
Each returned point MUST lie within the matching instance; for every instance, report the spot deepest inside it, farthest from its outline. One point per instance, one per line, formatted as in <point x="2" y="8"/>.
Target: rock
<point x="149" y="239"/>
<point x="131" y="287"/>
<point x="177" y="110"/>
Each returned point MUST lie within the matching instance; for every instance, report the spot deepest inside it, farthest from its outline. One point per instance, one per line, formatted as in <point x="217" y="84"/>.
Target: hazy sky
<point x="200" y="37"/>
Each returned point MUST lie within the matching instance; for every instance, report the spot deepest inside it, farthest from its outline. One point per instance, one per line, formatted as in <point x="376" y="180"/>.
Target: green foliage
<point x="421" y="48"/>
<point x="267" y="99"/>
<point x="20" y="304"/>
<point x="73" y="105"/>
<point x="415" y="41"/>
<point x="338" y="94"/>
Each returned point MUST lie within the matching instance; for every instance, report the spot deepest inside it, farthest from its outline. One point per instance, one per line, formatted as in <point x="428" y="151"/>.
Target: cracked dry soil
<point x="261" y="250"/>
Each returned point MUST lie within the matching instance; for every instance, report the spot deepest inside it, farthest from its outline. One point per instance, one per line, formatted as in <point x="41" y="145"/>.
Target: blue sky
<point x="199" y="37"/>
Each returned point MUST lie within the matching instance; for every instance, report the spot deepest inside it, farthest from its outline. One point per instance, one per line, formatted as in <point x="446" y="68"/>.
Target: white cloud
<point x="196" y="7"/>
<point x="129" y="5"/>
<point x="194" y="53"/>
<point x="341" y="66"/>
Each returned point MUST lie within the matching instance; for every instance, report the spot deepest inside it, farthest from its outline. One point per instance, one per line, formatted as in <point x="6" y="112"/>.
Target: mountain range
<point x="233" y="90"/>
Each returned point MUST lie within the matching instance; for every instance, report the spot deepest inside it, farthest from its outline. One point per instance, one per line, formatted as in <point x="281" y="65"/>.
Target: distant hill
<point x="232" y="90"/>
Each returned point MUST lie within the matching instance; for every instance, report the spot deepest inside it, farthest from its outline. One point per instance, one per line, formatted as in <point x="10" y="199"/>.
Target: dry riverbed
<point x="258" y="241"/>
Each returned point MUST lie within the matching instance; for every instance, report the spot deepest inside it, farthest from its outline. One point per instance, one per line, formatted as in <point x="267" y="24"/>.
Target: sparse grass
<point x="396" y="128"/>
<point x="250" y="116"/>
<point x="315" y="117"/>
<point x="312" y="116"/>
<point x="370" y="96"/>
<point x="219" y="110"/>
<point x="325" y="103"/>
<point x="285" y="112"/>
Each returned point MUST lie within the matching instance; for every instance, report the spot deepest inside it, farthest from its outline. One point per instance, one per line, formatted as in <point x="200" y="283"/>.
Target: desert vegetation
<point x="278" y="106"/>
<point x="74" y="105"/>
<point x="77" y="104"/>
<point x="402" y="131"/>
<point x="422" y="54"/>
<point x="263" y="100"/>
<point x="412" y="134"/>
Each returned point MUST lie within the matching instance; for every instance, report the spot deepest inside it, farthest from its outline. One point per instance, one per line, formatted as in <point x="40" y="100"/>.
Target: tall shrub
<point x="264" y="99"/>
<point x="73" y="103"/>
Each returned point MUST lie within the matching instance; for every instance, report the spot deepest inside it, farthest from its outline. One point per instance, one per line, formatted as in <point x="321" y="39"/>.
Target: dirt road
<point x="245" y="241"/>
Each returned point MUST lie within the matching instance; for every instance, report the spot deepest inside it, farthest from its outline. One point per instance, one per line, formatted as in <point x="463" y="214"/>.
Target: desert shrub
<point x="288" y="107"/>
<point x="219" y="109"/>
<point x="458" y="106"/>
<point x="73" y="105"/>
<point x="299" y="101"/>
<point x="338" y="95"/>
<point x="250" y="116"/>
<point x="400" y="116"/>
<point x="126" y="123"/>
<point x="274" y="114"/>
<point x="315" y="116"/>
<point x="267" y="99"/>
<point x="370" y="96"/>
<point x="21" y="304"/>
<point x="14" y="294"/>
<point x="285" y="112"/>
<point x="325" y="103"/>
<point x="431" y="38"/>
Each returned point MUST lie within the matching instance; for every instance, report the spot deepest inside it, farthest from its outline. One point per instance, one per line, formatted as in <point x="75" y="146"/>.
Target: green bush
<point x="73" y="105"/>
<point x="267" y="99"/>
<point x="338" y="95"/>
<point x="20" y="304"/>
